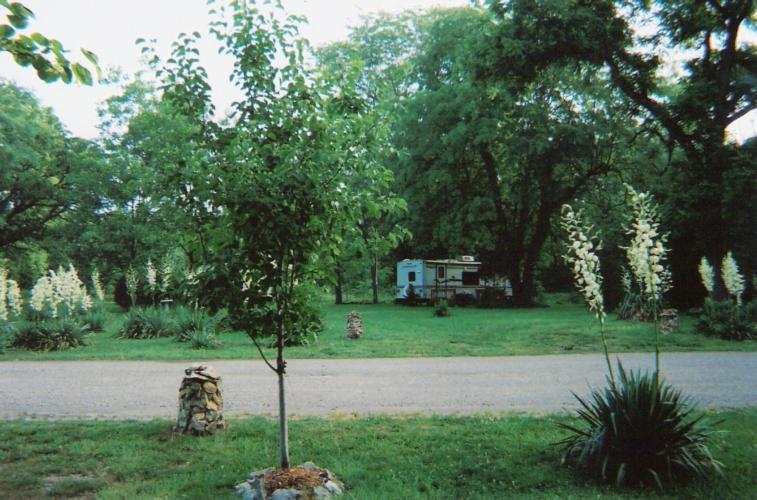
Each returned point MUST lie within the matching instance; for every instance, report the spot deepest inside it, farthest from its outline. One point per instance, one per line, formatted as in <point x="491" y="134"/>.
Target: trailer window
<point x="470" y="279"/>
<point x="411" y="277"/>
<point x="440" y="273"/>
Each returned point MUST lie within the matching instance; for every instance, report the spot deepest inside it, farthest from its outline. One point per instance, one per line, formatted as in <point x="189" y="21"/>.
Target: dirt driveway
<point x="448" y="386"/>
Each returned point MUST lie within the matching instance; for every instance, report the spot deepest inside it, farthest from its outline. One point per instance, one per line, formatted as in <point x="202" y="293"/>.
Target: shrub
<point x="634" y="307"/>
<point x="727" y="320"/>
<point x="95" y="320"/>
<point x="57" y="335"/>
<point x="441" y="309"/>
<point x="492" y="298"/>
<point x="641" y="431"/>
<point x="189" y="321"/>
<point x="7" y="333"/>
<point x="203" y="339"/>
<point x="147" y="323"/>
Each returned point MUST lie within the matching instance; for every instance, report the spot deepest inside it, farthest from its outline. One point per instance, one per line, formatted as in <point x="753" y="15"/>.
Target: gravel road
<point x="444" y="386"/>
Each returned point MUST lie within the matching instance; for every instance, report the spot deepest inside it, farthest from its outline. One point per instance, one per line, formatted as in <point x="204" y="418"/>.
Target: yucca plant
<point x="203" y="339"/>
<point x="147" y="323"/>
<point x="7" y="333"/>
<point x="189" y="321"/>
<point x="441" y="309"/>
<point x="639" y="431"/>
<point x="55" y="335"/>
<point x="95" y="320"/>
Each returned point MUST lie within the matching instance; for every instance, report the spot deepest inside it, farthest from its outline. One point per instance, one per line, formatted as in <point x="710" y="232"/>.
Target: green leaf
<point x="91" y="56"/>
<point x="23" y="59"/>
<point x="20" y="15"/>
<point x="6" y="31"/>
<point x="82" y="74"/>
<point x="40" y="39"/>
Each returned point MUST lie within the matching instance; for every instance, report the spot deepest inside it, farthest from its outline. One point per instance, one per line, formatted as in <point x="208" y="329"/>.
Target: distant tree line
<point x="449" y="132"/>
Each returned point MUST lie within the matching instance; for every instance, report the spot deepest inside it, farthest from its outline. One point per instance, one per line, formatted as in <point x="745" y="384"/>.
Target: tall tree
<point x="693" y="106"/>
<point x="45" y="174"/>
<point x="369" y="75"/>
<point x="490" y="163"/>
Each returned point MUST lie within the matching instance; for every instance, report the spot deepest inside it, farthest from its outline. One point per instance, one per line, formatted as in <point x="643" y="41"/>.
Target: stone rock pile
<point x="668" y="321"/>
<point x="354" y="325"/>
<point x="200" y="402"/>
<point x="306" y="481"/>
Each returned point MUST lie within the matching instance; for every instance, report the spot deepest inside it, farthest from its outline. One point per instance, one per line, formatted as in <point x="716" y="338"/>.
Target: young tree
<point x="278" y="183"/>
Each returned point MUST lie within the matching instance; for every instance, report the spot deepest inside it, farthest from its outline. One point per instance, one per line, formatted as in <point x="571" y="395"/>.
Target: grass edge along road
<point x="418" y="457"/>
<point x="396" y="331"/>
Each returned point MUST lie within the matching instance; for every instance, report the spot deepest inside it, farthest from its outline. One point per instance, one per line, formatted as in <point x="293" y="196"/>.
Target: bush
<point x="7" y="333"/>
<point x="95" y="320"/>
<point x="203" y="339"/>
<point x="147" y="323"/>
<point x="640" y="432"/>
<point x="493" y="298"/>
<point x="189" y="321"/>
<point x="727" y="320"/>
<point x="441" y="309"/>
<point x="56" y="335"/>
<point x="634" y="307"/>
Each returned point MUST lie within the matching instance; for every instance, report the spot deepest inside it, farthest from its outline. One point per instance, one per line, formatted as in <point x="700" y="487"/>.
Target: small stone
<point x="211" y="406"/>
<point x="256" y="475"/>
<point x="249" y="492"/>
<point x="209" y="387"/>
<point x="287" y="495"/>
<point x="321" y="493"/>
<point x="332" y="487"/>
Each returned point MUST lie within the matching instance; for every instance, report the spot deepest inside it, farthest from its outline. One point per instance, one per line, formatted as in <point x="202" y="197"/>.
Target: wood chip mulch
<point x="294" y="478"/>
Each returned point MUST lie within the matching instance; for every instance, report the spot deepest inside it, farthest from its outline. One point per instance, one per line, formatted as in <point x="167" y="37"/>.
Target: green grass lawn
<point x="387" y="458"/>
<point x="398" y="331"/>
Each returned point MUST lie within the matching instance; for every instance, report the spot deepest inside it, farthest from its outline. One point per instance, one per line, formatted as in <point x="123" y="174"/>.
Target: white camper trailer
<point x="449" y="279"/>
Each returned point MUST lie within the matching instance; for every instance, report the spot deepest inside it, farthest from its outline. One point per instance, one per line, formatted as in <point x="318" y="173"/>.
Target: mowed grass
<point x="399" y="331"/>
<point x="378" y="458"/>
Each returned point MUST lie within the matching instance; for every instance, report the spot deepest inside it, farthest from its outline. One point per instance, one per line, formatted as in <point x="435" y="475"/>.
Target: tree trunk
<point x="283" y="427"/>
<point x="374" y="279"/>
<point x="338" y="299"/>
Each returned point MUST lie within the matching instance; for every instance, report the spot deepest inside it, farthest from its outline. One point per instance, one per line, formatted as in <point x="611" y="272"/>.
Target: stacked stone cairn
<point x="304" y="482"/>
<point x="354" y="325"/>
<point x="200" y="402"/>
<point x="668" y="321"/>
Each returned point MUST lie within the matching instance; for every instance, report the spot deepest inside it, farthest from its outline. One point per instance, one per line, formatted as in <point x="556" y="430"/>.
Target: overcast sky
<point x="110" y="27"/>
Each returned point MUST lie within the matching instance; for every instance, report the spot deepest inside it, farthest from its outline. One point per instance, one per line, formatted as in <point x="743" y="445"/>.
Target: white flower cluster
<point x="60" y="293"/>
<point x="734" y="281"/>
<point x="152" y="277"/>
<point x="583" y="260"/>
<point x="646" y="253"/>
<point x="132" y="282"/>
<point x="97" y="286"/>
<point x="707" y="273"/>
<point x="625" y="279"/>
<point x="166" y="271"/>
<point x="3" y="307"/>
<point x="15" y="301"/>
<point x="43" y="298"/>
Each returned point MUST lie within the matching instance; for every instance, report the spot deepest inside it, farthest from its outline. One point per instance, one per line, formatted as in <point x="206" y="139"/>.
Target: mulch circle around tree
<point x="305" y="481"/>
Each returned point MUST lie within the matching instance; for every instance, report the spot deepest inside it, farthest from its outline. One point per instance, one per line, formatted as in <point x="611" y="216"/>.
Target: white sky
<point x="110" y="27"/>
